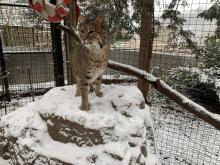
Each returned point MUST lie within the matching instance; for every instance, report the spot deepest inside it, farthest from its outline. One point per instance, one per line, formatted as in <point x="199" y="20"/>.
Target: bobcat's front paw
<point x="99" y="94"/>
<point x="77" y="94"/>
<point x="84" y="108"/>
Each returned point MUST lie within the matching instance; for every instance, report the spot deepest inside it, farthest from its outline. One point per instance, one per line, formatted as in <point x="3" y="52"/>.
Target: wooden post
<point x="146" y="43"/>
<point x="70" y="43"/>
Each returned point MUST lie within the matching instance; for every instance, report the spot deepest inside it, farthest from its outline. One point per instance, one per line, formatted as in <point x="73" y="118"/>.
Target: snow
<point x="4" y="162"/>
<point x="216" y="116"/>
<point x="55" y="106"/>
<point x="182" y="138"/>
<point x="195" y="108"/>
<point x="104" y="112"/>
<point x="171" y="93"/>
<point x="146" y="75"/>
<point x="205" y="76"/>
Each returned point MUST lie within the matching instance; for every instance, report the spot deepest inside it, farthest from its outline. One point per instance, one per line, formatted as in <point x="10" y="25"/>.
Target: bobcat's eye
<point x="81" y="31"/>
<point x="91" y="31"/>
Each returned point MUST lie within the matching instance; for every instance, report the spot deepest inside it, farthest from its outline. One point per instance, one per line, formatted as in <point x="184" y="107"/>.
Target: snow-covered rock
<point x="116" y="130"/>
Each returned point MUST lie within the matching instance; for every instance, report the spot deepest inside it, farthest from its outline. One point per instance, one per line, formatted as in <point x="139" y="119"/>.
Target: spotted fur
<point x="89" y="61"/>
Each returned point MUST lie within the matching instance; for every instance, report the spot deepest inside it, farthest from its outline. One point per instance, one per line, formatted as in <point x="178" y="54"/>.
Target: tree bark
<point x="146" y="43"/>
<point x="70" y="42"/>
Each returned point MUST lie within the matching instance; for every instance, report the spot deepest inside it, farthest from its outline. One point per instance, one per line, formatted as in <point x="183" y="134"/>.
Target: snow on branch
<point x="166" y="90"/>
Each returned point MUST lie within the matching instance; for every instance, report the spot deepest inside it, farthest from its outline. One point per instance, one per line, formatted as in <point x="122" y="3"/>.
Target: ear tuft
<point x="100" y="20"/>
<point x="82" y="19"/>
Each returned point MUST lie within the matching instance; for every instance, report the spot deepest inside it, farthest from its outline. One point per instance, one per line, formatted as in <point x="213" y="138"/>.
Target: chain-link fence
<point x="184" y="42"/>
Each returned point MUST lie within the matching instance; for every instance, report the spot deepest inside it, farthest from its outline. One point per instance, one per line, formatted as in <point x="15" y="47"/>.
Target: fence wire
<point x="26" y="42"/>
<point x="181" y="138"/>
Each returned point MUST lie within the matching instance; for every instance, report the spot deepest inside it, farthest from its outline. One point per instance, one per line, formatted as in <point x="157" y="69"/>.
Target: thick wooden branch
<point x="166" y="90"/>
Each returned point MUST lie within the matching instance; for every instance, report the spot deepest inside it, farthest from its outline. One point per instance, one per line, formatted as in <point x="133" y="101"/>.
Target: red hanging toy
<point x="51" y="12"/>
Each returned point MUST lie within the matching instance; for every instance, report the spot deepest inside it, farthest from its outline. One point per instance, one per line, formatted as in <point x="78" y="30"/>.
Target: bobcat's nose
<point x="86" y="42"/>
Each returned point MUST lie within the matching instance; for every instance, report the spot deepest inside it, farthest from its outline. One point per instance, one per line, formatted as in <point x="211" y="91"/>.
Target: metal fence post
<point x="6" y="92"/>
<point x="57" y="53"/>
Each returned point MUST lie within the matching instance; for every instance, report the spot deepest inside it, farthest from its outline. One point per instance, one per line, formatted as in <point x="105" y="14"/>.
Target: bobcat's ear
<point x="100" y="21"/>
<point x="82" y="19"/>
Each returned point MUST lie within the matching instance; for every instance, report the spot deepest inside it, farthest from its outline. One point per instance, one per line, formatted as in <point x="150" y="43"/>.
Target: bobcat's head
<point x="93" y="32"/>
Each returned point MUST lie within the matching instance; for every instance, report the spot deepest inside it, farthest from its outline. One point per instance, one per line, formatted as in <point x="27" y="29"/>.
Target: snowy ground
<point x="119" y="116"/>
<point x="4" y="162"/>
<point x="181" y="137"/>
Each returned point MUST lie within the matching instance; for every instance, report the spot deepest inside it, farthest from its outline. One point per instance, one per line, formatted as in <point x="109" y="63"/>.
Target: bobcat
<point x="89" y="60"/>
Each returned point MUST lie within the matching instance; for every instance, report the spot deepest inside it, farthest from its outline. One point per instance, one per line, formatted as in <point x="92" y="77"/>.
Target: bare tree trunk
<point x="146" y="43"/>
<point x="70" y="42"/>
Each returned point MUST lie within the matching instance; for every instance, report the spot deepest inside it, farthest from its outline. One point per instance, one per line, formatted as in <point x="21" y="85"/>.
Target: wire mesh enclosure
<point x="183" y="138"/>
<point x="26" y="43"/>
<point x="189" y="140"/>
<point x="185" y="39"/>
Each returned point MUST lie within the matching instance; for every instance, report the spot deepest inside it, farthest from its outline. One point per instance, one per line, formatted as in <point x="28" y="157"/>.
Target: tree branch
<point x="166" y="90"/>
<point x="72" y="32"/>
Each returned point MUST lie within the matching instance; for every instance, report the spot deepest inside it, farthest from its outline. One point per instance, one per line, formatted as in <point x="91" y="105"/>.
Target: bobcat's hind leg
<point x="98" y="91"/>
